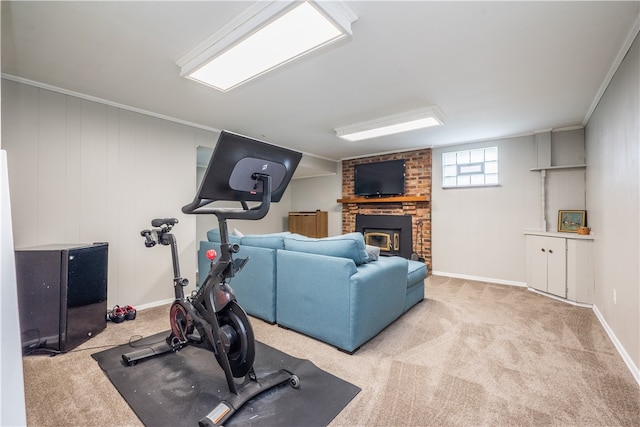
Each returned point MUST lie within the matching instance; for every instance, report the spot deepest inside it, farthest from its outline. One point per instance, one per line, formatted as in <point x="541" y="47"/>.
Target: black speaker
<point x="62" y="294"/>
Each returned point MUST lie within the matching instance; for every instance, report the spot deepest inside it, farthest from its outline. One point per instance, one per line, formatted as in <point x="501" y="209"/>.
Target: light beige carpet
<point x="471" y="354"/>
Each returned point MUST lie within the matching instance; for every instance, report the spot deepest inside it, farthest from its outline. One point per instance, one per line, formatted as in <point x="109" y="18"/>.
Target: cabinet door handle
<point x="550" y="251"/>
<point x="542" y="249"/>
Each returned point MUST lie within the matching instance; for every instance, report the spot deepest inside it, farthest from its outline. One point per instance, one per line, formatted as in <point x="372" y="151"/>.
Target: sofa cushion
<point x="349" y="245"/>
<point x="213" y="235"/>
<point x="270" y="241"/>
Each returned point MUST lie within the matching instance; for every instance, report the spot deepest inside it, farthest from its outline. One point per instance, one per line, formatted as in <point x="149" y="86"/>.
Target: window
<point x="470" y="168"/>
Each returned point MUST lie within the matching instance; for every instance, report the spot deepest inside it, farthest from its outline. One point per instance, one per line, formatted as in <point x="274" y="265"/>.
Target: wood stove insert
<point x="391" y="233"/>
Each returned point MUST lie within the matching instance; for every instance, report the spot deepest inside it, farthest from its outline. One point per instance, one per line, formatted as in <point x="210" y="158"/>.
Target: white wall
<point x="613" y="192"/>
<point x="84" y="171"/>
<point x="81" y="171"/>
<point x="478" y="232"/>
<point x="310" y="194"/>
<point x="565" y="188"/>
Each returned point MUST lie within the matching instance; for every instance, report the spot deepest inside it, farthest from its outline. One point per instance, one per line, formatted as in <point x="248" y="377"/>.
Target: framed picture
<point x="570" y="221"/>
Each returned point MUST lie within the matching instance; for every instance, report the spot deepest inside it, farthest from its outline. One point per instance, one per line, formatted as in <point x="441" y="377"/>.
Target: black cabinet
<point x="62" y="294"/>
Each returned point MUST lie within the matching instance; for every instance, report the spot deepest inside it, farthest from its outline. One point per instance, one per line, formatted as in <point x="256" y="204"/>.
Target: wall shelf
<point x="559" y="167"/>
<point x="395" y="199"/>
<point x="563" y="235"/>
<point x="543" y="177"/>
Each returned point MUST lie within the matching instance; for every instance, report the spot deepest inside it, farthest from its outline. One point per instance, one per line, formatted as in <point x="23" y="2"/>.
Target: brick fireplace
<point x="415" y="203"/>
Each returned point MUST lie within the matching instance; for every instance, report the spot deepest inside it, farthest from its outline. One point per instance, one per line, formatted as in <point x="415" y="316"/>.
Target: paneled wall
<point x="613" y="203"/>
<point x="479" y="232"/>
<point x="83" y="172"/>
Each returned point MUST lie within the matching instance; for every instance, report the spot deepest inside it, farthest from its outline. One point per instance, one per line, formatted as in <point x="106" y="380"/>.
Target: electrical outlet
<point x="614" y="297"/>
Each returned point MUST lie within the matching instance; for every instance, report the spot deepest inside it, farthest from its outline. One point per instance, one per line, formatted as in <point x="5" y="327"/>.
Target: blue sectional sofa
<point x="326" y="288"/>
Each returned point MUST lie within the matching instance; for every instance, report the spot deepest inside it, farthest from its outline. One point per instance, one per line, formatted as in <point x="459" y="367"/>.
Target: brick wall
<point x="417" y="183"/>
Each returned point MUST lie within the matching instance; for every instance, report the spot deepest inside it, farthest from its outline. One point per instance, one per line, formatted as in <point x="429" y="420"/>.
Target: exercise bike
<point x="210" y="317"/>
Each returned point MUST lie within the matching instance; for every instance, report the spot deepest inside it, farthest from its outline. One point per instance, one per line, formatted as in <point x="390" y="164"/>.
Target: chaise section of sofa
<point x="341" y="300"/>
<point x="416" y="274"/>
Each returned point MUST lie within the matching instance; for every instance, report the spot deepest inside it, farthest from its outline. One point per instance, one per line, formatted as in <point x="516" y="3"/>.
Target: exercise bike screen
<point x="235" y="160"/>
<point x="241" y="178"/>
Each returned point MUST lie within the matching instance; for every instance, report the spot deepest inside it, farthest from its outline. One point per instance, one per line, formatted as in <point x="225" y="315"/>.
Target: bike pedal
<point x="195" y="337"/>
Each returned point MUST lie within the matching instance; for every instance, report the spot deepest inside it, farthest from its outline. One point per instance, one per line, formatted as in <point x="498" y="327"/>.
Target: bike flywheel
<point x="181" y="322"/>
<point x="238" y="332"/>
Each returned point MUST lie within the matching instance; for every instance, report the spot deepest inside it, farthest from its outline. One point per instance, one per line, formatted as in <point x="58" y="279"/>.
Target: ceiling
<point x="495" y="69"/>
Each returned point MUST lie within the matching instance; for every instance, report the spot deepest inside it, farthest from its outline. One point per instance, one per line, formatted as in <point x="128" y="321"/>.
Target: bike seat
<point x="159" y="222"/>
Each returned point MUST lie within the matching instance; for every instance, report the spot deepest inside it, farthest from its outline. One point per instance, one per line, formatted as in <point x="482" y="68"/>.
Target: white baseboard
<point x="479" y="279"/>
<point x="623" y="353"/>
<point x="564" y="300"/>
<point x="154" y="304"/>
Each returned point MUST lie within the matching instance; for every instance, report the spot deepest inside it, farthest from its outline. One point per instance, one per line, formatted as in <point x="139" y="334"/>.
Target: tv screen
<point x="380" y="178"/>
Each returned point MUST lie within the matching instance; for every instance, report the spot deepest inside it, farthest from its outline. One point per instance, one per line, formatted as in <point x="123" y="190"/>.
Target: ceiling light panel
<point x="266" y="36"/>
<point x="403" y="122"/>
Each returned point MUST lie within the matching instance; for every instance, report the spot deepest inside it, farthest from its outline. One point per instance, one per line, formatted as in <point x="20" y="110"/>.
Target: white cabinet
<point x="560" y="265"/>
<point x="547" y="264"/>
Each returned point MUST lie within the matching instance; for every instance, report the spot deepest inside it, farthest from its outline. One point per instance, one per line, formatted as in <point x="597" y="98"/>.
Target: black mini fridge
<point x="62" y="294"/>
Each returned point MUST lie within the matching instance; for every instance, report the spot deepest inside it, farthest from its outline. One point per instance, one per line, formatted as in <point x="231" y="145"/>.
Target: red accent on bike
<point x="212" y="254"/>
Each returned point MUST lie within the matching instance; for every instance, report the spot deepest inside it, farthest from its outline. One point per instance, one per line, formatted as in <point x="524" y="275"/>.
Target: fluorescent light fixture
<point x="267" y="35"/>
<point x="411" y="120"/>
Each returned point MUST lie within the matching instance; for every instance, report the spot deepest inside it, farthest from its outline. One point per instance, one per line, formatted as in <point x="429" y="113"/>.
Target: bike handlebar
<point x="159" y="222"/>
<point x="197" y="206"/>
<point x="158" y="234"/>
<point x="148" y="240"/>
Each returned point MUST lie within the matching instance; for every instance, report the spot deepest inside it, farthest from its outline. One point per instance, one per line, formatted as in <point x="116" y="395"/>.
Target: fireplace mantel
<point x="394" y="199"/>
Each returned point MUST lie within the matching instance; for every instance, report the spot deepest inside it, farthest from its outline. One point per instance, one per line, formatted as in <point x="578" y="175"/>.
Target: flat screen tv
<point x="379" y="179"/>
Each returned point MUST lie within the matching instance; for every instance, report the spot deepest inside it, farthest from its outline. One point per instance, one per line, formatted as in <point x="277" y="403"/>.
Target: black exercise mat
<point x="178" y="389"/>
